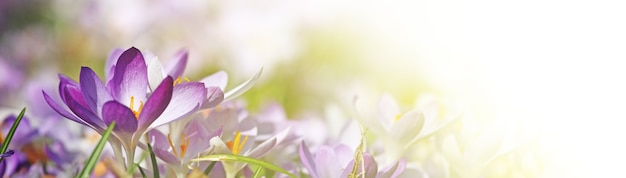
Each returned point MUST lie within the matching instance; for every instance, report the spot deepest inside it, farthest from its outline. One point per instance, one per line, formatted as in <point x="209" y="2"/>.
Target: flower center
<point x="180" y="80"/>
<point x="132" y="107"/>
<point x="184" y="144"/>
<point x="236" y="145"/>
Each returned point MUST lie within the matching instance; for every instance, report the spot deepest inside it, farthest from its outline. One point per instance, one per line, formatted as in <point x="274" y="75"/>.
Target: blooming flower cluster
<point x="168" y="125"/>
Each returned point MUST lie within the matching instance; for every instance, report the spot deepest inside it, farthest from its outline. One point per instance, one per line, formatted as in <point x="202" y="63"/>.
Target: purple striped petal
<point x="124" y="118"/>
<point x="109" y="66"/>
<point x="157" y="103"/>
<point x="80" y="110"/>
<point x="130" y="79"/>
<point x="186" y="99"/>
<point x="93" y="89"/>
<point x="215" y="96"/>
<point x="176" y="67"/>
<point x="62" y="111"/>
<point x="307" y="160"/>
<point x="218" y="79"/>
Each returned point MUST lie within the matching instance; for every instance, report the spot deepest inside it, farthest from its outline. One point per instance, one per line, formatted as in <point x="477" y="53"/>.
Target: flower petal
<point x="371" y="168"/>
<point x="186" y="99"/>
<point x="157" y="103"/>
<point x="63" y="82"/>
<point x="218" y="79"/>
<point x="262" y="148"/>
<point x="242" y="88"/>
<point x="327" y="164"/>
<point x="93" y="89"/>
<point x="124" y="118"/>
<point x="215" y="96"/>
<point x="71" y="93"/>
<point x="130" y="79"/>
<point x="394" y="170"/>
<point x="62" y="111"/>
<point x="155" y="73"/>
<point x="109" y="66"/>
<point x="177" y="66"/>
<point x="387" y="110"/>
<point x="407" y="127"/>
<point x="307" y="159"/>
<point x="161" y="147"/>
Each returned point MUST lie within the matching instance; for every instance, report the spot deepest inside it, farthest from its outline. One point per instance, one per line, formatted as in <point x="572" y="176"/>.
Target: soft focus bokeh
<point x="543" y="78"/>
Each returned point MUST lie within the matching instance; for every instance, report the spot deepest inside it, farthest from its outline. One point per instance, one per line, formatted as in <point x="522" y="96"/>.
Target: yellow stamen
<point x="132" y="107"/>
<point x="236" y="146"/>
<point x="180" y="80"/>
<point x="100" y="169"/>
<point x="397" y="118"/>
<point x="169" y="139"/>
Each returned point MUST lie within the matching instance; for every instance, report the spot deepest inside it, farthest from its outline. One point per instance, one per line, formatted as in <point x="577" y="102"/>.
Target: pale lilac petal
<point x="177" y="66"/>
<point x="161" y="147"/>
<point x="79" y="109"/>
<point x="371" y="168"/>
<point x="387" y="110"/>
<point x="407" y="127"/>
<point x="93" y="89"/>
<point x="109" y="65"/>
<point x="242" y="88"/>
<point x="307" y="159"/>
<point x="394" y="170"/>
<point x="215" y="96"/>
<point x="327" y="164"/>
<point x="125" y="119"/>
<point x="155" y="73"/>
<point x="156" y="104"/>
<point x="344" y="154"/>
<point x="262" y="149"/>
<point x="186" y="99"/>
<point x="219" y="147"/>
<point x="218" y="79"/>
<point x="130" y="79"/>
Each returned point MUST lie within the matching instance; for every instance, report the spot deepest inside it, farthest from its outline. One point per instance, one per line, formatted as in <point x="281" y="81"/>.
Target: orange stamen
<point x="132" y="107"/>
<point x="180" y="80"/>
<point x="169" y="139"/>
<point x="184" y="144"/>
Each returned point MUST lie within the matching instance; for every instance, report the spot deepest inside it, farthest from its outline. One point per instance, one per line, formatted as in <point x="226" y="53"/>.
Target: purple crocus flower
<point x="126" y="99"/>
<point x="338" y="161"/>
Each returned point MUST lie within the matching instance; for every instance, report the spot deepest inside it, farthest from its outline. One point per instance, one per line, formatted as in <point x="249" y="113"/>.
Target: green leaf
<point x="7" y="141"/>
<point x="209" y="168"/>
<point x="155" y="167"/>
<point x="143" y="174"/>
<point x="257" y="173"/>
<point x="237" y="158"/>
<point x="93" y="159"/>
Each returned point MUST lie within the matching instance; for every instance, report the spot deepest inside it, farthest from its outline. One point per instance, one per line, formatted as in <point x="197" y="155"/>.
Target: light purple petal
<point x="62" y="111"/>
<point x="262" y="148"/>
<point x="215" y="96"/>
<point x="93" y="89"/>
<point x="130" y="79"/>
<point x="177" y="66"/>
<point x="109" y="66"/>
<point x="80" y="110"/>
<point x="156" y="104"/>
<point x="155" y="74"/>
<point x="387" y="110"/>
<point x="161" y="147"/>
<point x="371" y="168"/>
<point x="124" y="118"/>
<point x="307" y="160"/>
<point x="186" y="99"/>
<point x="327" y="164"/>
<point x="218" y="79"/>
